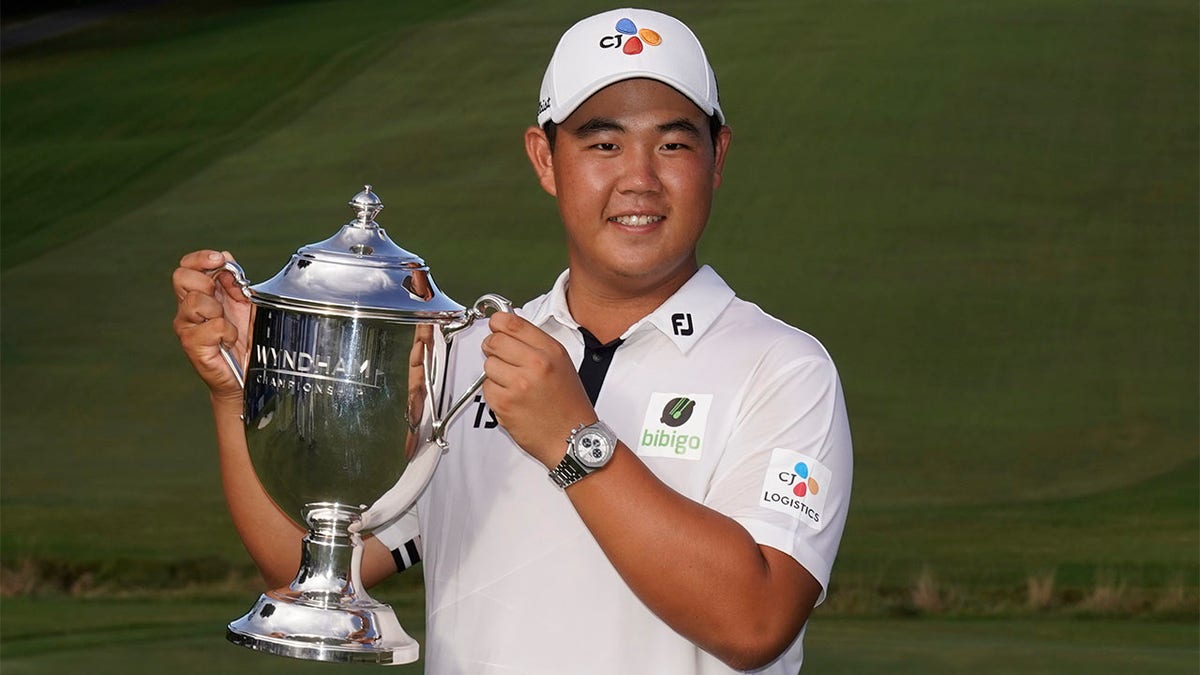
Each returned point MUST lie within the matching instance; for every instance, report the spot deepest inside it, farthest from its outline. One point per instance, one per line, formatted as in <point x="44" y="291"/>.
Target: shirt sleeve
<point x="786" y="471"/>
<point x="402" y="537"/>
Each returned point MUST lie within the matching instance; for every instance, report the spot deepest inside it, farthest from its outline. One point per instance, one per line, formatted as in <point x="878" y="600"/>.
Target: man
<point x="698" y="449"/>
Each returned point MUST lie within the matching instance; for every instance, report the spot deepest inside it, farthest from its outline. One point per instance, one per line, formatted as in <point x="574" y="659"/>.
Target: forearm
<point x="269" y="535"/>
<point x="697" y="569"/>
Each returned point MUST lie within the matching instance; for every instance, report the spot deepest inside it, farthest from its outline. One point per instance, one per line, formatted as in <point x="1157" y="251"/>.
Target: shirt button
<point x="596" y="358"/>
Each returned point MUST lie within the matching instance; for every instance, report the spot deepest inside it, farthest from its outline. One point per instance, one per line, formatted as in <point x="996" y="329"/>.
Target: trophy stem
<point x="325" y="614"/>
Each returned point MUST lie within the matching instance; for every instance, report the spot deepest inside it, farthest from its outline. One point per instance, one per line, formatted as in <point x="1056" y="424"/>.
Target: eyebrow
<point x="596" y="125"/>
<point x="682" y="124"/>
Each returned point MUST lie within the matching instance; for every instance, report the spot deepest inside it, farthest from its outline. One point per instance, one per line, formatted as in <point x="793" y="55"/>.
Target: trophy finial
<point x="366" y="205"/>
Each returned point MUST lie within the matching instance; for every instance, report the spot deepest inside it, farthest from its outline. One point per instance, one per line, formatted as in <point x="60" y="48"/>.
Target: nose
<point x="639" y="173"/>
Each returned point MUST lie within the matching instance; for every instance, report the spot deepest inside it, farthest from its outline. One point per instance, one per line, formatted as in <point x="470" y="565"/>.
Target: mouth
<point x="636" y="220"/>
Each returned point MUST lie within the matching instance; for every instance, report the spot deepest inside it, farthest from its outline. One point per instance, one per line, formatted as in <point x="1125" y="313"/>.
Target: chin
<point x="655" y="272"/>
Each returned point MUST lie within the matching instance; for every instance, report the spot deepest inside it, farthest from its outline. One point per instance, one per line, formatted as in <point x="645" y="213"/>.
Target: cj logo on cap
<point x="630" y="38"/>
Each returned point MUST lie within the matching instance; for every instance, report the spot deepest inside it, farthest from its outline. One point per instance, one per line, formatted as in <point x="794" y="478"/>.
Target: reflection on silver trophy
<point x="345" y="400"/>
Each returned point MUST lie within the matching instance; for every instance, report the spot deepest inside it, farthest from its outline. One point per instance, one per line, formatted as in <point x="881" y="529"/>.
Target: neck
<point x="607" y="310"/>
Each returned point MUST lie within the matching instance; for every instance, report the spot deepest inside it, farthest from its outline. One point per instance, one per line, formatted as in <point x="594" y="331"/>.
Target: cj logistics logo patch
<point x="674" y="426"/>
<point x="630" y="39"/>
<point x="796" y="484"/>
<point x="807" y="483"/>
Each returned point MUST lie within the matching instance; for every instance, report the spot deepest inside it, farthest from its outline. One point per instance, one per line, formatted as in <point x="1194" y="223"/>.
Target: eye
<point x="606" y="147"/>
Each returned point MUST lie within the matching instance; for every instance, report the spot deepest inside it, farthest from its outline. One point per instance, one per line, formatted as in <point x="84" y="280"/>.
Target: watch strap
<point x="568" y="471"/>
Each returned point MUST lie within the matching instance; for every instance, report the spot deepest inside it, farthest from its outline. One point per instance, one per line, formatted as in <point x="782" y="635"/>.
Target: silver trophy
<point x="345" y="400"/>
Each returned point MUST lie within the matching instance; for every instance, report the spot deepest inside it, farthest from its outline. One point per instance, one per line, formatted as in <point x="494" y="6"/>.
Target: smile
<point x="636" y="220"/>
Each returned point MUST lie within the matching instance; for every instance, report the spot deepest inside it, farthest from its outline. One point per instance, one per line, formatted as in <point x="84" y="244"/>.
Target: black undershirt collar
<point x="596" y="360"/>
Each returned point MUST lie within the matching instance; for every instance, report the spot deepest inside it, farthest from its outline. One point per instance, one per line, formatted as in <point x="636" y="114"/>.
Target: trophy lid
<point x="360" y="273"/>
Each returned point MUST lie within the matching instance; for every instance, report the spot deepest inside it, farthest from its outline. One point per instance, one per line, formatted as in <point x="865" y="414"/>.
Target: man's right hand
<point x="212" y="310"/>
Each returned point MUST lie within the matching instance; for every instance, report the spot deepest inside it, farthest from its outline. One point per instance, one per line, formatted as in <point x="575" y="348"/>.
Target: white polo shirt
<point x="724" y="403"/>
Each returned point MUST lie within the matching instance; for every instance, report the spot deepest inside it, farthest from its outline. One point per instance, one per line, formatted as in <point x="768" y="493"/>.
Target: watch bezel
<point x="598" y="435"/>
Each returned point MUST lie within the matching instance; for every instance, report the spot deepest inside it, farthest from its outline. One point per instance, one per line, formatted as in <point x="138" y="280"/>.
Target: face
<point x="634" y="169"/>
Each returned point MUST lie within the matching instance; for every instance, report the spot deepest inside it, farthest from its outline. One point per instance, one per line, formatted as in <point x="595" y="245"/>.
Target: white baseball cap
<point x="623" y="44"/>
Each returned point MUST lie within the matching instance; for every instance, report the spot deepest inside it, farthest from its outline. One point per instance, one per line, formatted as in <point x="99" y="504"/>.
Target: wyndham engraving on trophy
<point x="271" y="362"/>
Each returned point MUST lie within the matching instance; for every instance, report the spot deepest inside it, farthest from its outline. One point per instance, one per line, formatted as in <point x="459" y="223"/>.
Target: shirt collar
<point x="684" y="318"/>
<point x="688" y="314"/>
<point x="553" y="305"/>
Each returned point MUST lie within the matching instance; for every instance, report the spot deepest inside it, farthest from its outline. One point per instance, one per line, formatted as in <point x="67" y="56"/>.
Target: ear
<point x="537" y="146"/>
<point x="720" y="151"/>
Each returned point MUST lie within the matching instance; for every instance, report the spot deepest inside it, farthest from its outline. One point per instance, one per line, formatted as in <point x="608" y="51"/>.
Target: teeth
<point x="637" y="221"/>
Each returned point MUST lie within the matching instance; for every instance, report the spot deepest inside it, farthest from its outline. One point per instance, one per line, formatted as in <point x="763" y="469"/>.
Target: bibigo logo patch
<point x="630" y="39"/>
<point x="674" y="426"/>
<point x="796" y="484"/>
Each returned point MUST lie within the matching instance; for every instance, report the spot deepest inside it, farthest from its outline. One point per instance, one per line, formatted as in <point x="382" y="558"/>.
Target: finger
<point x="416" y="357"/>
<point x="230" y="288"/>
<point x="197" y="337"/>
<point x="204" y="261"/>
<point x="229" y="332"/>
<point x="200" y="307"/>
<point x="228" y="281"/>
<point x="509" y="349"/>
<point x="501" y="373"/>
<point x="187" y="280"/>
<point x="422" y="339"/>
<point x="511" y="324"/>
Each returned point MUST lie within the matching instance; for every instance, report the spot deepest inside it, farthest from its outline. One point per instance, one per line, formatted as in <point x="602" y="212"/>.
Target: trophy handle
<point x="239" y="275"/>
<point x="483" y="308"/>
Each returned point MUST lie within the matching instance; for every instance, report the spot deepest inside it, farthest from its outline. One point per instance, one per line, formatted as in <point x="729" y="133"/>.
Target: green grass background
<point x="987" y="211"/>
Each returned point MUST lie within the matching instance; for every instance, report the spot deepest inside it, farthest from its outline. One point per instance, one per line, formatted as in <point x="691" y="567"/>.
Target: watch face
<point x="593" y="449"/>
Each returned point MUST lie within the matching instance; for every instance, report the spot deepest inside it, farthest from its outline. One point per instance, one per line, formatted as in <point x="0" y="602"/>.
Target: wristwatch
<point x="589" y="447"/>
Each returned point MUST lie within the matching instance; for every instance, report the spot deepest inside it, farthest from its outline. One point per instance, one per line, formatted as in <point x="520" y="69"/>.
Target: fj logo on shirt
<point x="681" y="324"/>
<point x="796" y="484"/>
<point x="630" y="39"/>
<point x="674" y="426"/>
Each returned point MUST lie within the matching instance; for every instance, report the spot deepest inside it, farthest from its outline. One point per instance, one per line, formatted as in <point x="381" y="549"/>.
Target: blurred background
<point x="986" y="209"/>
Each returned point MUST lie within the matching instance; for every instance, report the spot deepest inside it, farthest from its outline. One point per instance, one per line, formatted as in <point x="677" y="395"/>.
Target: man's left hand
<point x="533" y="387"/>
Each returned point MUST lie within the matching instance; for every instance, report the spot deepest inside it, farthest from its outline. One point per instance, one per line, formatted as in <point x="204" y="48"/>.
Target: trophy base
<point x="286" y="623"/>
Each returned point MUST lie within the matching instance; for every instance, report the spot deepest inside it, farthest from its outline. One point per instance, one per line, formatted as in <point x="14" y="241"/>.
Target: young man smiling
<point x="693" y="514"/>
